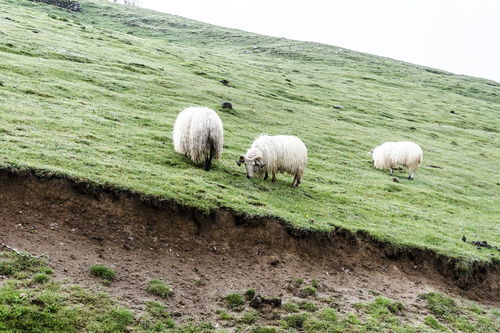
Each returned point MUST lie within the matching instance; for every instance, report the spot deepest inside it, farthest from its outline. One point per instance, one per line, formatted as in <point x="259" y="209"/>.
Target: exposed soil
<point x="206" y="257"/>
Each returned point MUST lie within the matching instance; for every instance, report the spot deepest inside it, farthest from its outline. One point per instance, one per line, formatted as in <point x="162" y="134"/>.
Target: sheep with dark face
<point x="272" y="154"/>
<point x="198" y="134"/>
<point x="392" y="154"/>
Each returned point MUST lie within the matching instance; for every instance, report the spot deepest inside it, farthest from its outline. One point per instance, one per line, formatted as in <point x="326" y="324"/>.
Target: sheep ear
<point x="241" y="160"/>
<point x="259" y="161"/>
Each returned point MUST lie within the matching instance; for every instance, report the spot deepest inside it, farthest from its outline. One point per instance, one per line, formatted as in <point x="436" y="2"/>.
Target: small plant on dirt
<point x="157" y="310"/>
<point x="308" y="291"/>
<point x="298" y="281"/>
<point x="103" y="272"/>
<point x="294" y="321"/>
<point x="440" y="305"/>
<point x="234" y="301"/>
<point x="358" y="305"/>
<point x="328" y="314"/>
<point x="250" y="316"/>
<point x="308" y="306"/>
<point x="12" y="263"/>
<point x="434" y="323"/>
<point x="382" y="306"/>
<point x="249" y="294"/>
<point x="40" y="277"/>
<point x="159" y="288"/>
<point x="315" y="283"/>
<point x="157" y="318"/>
<point x="223" y="315"/>
<point x="291" y="307"/>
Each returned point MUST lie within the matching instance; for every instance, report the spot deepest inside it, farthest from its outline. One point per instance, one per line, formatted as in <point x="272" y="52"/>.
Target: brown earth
<point x="206" y="257"/>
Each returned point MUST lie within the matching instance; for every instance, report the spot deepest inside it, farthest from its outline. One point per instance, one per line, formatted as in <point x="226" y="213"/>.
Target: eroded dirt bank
<point x="207" y="257"/>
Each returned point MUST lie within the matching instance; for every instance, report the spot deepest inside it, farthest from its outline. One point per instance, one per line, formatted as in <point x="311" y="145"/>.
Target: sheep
<point x="272" y="154"/>
<point x="198" y="134"/>
<point x="391" y="154"/>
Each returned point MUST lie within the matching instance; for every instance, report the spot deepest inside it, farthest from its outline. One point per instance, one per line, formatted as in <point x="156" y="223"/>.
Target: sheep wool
<point x="392" y="154"/>
<point x="272" y="154"/>
<point x="199" y="134"/>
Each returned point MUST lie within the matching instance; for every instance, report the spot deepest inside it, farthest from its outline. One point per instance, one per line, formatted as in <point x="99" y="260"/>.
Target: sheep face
<point x="252" y="166"/>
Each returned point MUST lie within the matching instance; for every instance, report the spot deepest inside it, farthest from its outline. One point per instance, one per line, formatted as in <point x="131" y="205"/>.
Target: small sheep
<point x="272" y="154"/>
<point x="198" y="134"/>
<point x="391" y="154"/>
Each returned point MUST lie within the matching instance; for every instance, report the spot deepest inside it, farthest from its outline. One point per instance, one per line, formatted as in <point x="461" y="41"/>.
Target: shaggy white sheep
<point x="272" y="154"/>
<point x="198" y="134"/>
<point x="391" y="154"/>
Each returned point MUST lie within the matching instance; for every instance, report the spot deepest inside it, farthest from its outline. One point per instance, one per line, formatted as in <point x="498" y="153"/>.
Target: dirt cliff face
<point x="206" y="257"/>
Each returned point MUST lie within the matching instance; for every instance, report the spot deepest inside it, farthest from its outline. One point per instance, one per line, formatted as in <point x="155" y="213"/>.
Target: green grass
<point x="234" y="301"/>
<point x="249" y="317"/>
<point x="56" y="306"/>
<point x="93" y="95"/>
<point x="450" y="316"/>
<point x="103" y="272"/>
<point x="41" y="277"/>
<point x="159" y="288"/>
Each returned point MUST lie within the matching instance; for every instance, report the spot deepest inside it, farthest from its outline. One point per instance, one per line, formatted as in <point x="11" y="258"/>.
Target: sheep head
<point x="252" y="165"/>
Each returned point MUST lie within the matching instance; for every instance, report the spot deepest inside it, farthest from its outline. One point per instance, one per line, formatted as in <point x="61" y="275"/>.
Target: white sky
<point x="461" y="36"/>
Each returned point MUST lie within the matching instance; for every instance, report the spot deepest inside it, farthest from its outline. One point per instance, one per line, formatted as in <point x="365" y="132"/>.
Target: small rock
<point x="275" y="263"/>
<point x="225" y="82"/>
<point x="395" y="180"/>
<point x="226" y="105"/>
<point x="338" y="107"/>
<point x="453" y="112"/>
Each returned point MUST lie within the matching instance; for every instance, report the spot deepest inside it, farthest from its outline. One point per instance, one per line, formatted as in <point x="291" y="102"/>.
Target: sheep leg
<point x="208" y="162"/>
<point x="274" y="178"/>
<point x="266" y="176"/>
<point x="410" y="177"/>
<point x="391" y="171"/>
<point x="294" y="183"/>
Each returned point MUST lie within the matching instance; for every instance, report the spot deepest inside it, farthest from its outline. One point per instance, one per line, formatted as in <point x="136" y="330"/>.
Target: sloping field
<point x="93" y="95"/>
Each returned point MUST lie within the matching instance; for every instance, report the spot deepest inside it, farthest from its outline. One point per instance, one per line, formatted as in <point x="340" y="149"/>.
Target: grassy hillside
<point x="94" y="95"/>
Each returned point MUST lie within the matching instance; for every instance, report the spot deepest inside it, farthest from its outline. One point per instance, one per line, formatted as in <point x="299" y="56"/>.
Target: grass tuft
<point x="234" y="301"/>
<point x="103" y="272"/>
<point x="159" y="288"/>
<point x="250" y="316"/>
<point x="40" y="277"/>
